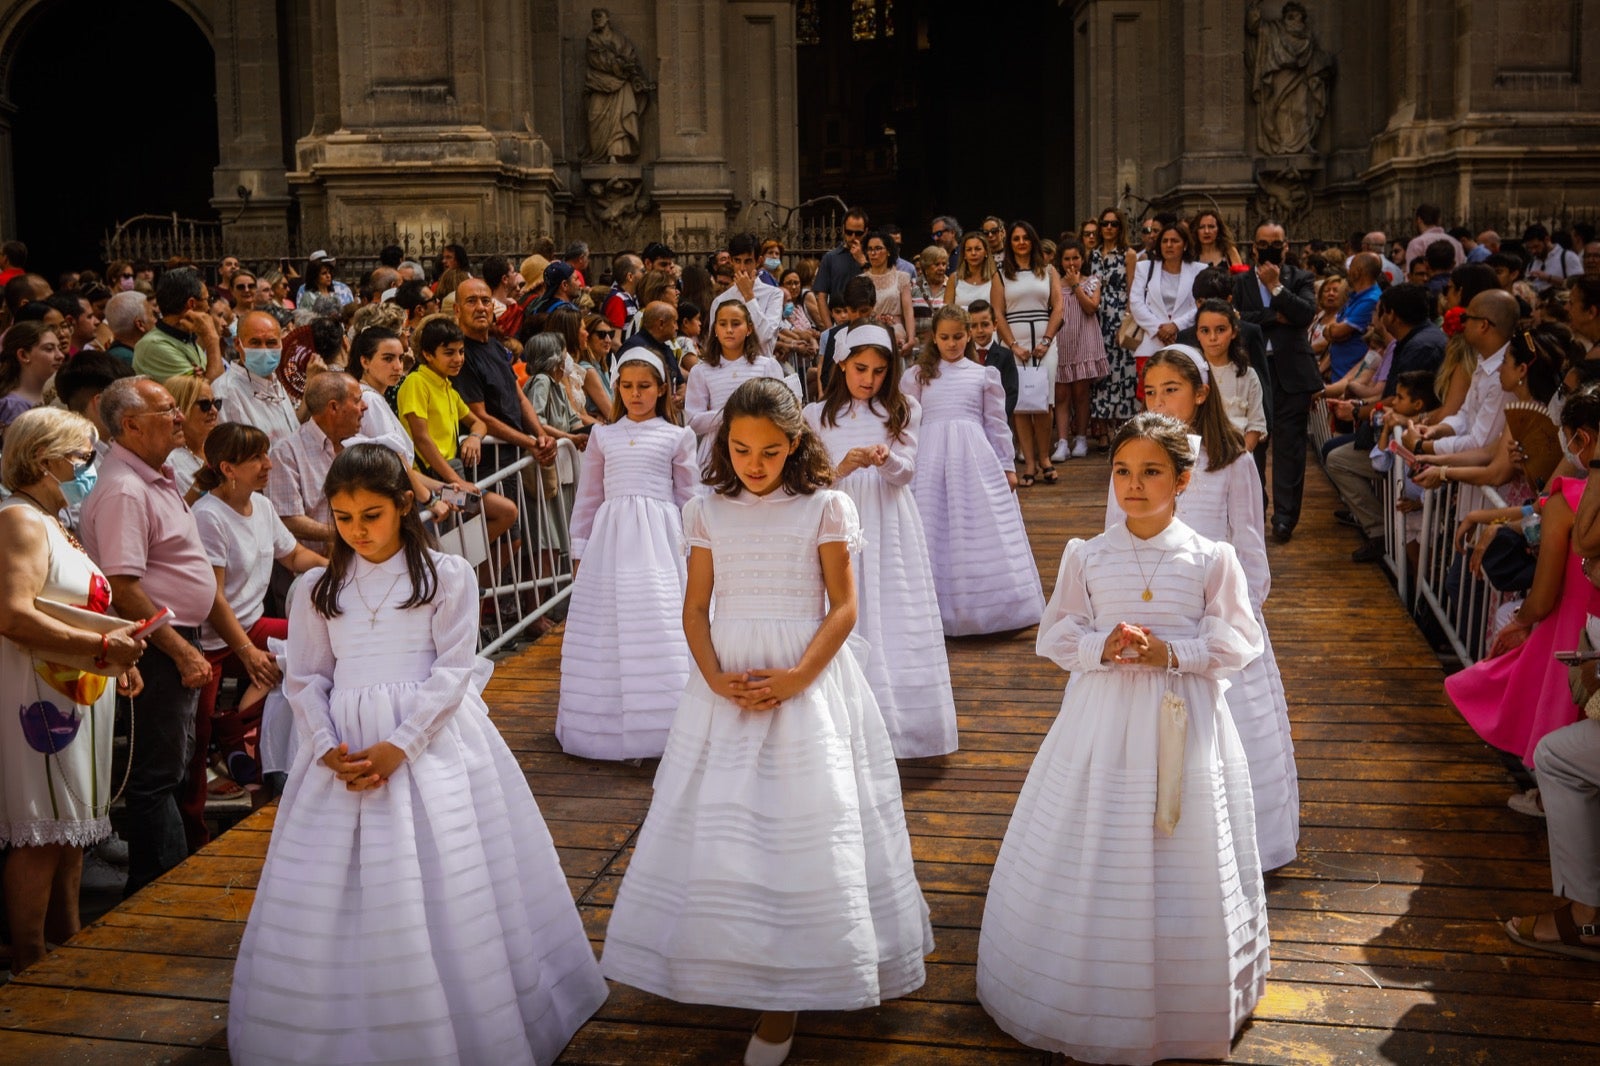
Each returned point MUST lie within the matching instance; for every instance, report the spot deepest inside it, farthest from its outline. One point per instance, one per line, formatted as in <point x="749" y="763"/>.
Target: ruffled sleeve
<point x="694" y="523"/>
<point x="308" y="667"/>
<point x="685" y="468"/>
<point x="591" y="491"/>
<point x="1067" y="636"/>
<point x="901" y="465"/>
<point x="840" y="522"/>
<point x="1247" y="527"/>
<point x="455" y="643"/>
<point x="911" y="383"/>
<point x="994" y="419"/>
<point x="1229" y="636"/>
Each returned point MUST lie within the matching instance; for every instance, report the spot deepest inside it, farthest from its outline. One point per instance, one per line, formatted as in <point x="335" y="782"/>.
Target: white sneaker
<point x="1060" y="454"/>
<point x="1080" y="447"/>
<point x="1527" y="803"/>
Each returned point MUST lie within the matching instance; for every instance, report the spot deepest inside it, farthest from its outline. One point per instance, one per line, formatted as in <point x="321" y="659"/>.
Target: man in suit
<point x="1282" y="300"/>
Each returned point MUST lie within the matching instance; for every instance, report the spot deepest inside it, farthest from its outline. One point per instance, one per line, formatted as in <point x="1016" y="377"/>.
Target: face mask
<point x="83" y="479"/>
<point x="788" y="308"/>
<point x="262" y="361"/>
<point x="125" y="284"/>
<point x="1566" y="448"/>
<point x="773" y="264"/>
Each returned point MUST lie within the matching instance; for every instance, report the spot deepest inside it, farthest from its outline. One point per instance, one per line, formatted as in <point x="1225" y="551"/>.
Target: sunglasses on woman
<point x="603" y="333"/>
<point x="207" y="406"/>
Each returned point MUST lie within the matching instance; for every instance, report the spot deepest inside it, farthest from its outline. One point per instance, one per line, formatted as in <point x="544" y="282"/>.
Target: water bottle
<point x="1530" y="525"/>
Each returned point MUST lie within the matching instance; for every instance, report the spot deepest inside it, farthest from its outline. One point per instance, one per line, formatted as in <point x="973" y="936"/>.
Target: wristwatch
<point x="1276" y="289"/>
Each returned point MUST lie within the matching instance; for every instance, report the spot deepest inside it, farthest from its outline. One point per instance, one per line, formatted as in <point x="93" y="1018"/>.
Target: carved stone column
<point x="250" y="187"/>
<point x="690" y="182"/>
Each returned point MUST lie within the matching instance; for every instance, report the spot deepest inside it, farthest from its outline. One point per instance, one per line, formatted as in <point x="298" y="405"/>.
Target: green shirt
<point x="164" y="353"/>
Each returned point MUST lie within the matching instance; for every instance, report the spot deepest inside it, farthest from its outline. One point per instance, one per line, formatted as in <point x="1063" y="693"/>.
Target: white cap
<point x="867" y="336"/>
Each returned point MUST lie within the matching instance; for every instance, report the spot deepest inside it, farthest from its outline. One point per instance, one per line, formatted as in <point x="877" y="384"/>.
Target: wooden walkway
<point x="1385" y="946"/>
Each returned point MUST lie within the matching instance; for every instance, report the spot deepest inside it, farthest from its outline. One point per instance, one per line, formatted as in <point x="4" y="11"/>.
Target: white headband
<point x="865" y="336"/>
<point x="1194" y="354"/>
<point x="392" y="441"/>
<point x="639" y="355"/>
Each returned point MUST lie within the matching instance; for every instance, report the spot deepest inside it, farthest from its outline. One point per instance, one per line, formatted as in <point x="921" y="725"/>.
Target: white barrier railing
<point x="1320" y="426"/>
<point x="527" y="571"/>
<point x="1464" y="606"/>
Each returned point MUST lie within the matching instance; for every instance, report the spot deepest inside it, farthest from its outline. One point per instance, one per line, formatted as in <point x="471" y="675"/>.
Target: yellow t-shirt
<point x="431" y="397"/>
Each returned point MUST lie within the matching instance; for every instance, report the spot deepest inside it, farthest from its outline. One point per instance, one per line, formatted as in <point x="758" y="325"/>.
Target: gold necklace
<point x="1147" y="595"/>
<point x="372" y="613"/>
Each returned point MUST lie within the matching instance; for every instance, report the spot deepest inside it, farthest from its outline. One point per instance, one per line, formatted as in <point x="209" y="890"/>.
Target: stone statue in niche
<point x="1289" y="78"/>
<point x="615" y="90"/>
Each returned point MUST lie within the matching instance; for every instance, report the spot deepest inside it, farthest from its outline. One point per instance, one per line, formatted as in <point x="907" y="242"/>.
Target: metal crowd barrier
<point x="1320" y="426"/>
<point x="1462" y="605"/>
<point x="526" y="572"/>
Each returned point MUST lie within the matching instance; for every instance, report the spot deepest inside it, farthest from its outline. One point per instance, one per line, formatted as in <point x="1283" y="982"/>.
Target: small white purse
<point x="1172" y="732"/>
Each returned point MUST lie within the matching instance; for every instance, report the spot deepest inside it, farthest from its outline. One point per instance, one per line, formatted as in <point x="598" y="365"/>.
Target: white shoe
<point x="761" y="1053"/>
<point x="1060" y="454"/>
<point x="1527" y="803"/>
<point x="1080" y="447"/>
<point x="113" y="849"/>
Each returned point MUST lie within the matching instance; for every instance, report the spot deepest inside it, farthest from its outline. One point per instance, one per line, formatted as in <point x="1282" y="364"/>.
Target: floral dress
<point x="1113" y="399"/>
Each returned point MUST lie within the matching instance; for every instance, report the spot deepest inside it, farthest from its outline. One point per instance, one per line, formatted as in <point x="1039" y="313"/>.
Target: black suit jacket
<point x="1001" y="358"/>
<point x="1294" y="367"/>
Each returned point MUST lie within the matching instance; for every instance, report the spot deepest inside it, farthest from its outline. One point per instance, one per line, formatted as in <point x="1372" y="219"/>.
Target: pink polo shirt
<point x="135" y="524"/>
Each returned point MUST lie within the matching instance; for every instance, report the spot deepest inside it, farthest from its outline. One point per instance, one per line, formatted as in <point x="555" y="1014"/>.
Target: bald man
<point x="1488" y="325"/>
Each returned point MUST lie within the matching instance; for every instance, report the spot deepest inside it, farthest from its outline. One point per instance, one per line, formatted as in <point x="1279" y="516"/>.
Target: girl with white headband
<point x="624" y="659"/>
<point x="1223" y="503"/>
<point x="870" y="430"/>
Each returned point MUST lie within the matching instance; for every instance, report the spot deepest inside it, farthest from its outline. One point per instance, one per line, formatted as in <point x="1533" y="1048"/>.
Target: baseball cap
<point x="556" y="274"/>
<point x="657" y="250"/>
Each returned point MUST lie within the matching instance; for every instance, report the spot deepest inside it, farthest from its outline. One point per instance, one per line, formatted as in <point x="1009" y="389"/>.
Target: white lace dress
<point x="1225" y="506"/>
<point x="624" y="660"/>
<point x="982" y="569"/>
<point x="55" y="737"/>
<point x="427" y="920"/>
<point x="773" y="871"/>
<point x="897" y="608"/>
<point x="1103" y="938"/>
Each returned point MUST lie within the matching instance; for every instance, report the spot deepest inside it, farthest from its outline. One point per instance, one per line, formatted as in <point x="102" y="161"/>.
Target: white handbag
<point x="1033" y="387"/>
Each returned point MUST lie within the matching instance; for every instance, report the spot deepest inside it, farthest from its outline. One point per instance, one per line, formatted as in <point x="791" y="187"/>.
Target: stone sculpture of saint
<point x="614" y="88"/>
<point x="1290" y="76"/>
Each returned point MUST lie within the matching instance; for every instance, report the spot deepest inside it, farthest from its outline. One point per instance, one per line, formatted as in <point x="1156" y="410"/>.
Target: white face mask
<point x="1566" y="448"/>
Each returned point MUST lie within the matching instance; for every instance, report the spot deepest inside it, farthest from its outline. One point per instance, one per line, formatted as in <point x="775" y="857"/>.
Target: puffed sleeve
<point x="591" y="491"/>
<point x="694" y="523"/>
<point x="455" y="645"/>
<point x="1229" y="636"/>
<point x="1247" y="527"/>
<point x="308" y="667"/>
<point x="901" y="465"/>
<point x="685" y="467"/>
<point x="1066" y="632"/>
<point x="911" y="383"/>
<point x="703" y="419"/>
<point x="840" y="522"/>
<point x="994" y="419"/>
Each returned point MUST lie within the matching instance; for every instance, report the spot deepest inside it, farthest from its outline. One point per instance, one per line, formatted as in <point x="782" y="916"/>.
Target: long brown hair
<point x="19" y="338"/>
<point x="376" y="469"/>
<point x="1222" y="442"/>
<point x="1236" y="354"/>
<point x="928" y="359"/>
<point x="711" y="350"/>
<point x="808" y="467"/>
<point x="896" y="412"/>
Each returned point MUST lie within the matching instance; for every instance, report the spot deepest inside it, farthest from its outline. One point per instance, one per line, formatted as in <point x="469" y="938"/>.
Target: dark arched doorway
<point x="115" y="114"/>
<point x="914" y="108"/>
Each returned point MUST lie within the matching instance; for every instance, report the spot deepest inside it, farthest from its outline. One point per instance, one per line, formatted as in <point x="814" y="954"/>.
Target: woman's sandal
<point x="1025" y="481"/>
<point x="1049" y="475"/>
<point x="1521" y="930"/>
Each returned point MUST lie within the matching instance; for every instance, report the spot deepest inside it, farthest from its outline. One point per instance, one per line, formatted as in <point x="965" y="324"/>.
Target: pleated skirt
<point x="427" y="921"/>
<point x="773" y="871"/>
<point x="624" y="658"/>
<point x="1103" y="938"/>
<point x="983" y="569"/>
<point x="898" y="617"/>
<point x="1260" y="712"/>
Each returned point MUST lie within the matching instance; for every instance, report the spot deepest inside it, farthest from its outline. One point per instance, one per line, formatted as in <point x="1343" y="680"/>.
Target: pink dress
<point x="1513" y="700"/>
<point x="1081" y="351"/>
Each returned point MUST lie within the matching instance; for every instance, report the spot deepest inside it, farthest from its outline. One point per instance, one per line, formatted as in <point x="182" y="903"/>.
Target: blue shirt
<point x="1357" y="311"/>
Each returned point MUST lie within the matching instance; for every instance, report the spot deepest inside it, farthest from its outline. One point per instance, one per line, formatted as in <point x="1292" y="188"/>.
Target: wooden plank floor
<point x="1385" y="947"/>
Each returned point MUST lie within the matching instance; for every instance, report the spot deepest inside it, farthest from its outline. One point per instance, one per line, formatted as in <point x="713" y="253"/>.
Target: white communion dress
<point x="1103" y="938"/>
<point x="707" y="391"/>
<point x="773" y="871"/>
<point x="1225" y="505"/>
<point x="428" y="920"/>
<point x="983" y="571"/>
<point x="897" y="610"/>
<point x="624" y="660"/>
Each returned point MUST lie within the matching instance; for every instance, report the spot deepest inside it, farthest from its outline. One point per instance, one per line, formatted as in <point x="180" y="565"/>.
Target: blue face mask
<point x="773" y="263"/>
<point x="262" y="361"/>
<point x="788" y="308"/>
<point x="83" y="479"/>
